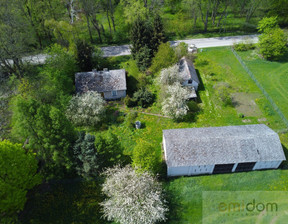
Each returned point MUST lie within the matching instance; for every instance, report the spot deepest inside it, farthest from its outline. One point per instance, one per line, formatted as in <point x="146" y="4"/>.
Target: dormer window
<point x="190" y="81"/>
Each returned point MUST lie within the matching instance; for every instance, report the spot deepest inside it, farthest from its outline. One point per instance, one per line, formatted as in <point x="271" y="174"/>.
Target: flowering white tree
<point x="133" y="197"/>
<point x="175" y="105"/>
<point x="86" y="109"/>
<point x="170" y="75"/>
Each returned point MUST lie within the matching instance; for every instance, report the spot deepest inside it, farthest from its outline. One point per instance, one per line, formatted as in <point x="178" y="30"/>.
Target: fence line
<point x="276" y="108"/>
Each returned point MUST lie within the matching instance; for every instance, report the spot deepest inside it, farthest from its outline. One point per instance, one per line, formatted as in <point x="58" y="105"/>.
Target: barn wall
<point x="120" y="94"/>
<point x="164" y="147"/>
<point x="190" y="170"/>
<point x="267" y="165"/>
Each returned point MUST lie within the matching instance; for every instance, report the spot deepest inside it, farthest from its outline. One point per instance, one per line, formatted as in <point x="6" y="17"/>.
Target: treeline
<point x="31" y="24"/>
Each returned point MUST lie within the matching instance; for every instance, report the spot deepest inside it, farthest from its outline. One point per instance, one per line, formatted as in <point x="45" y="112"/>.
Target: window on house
<point x="114" y="93"/>
<point x="190" y="81"/>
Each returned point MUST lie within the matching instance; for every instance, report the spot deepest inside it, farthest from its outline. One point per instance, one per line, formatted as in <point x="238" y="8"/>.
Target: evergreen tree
<point x="158" y="35"/>
<point x="86" y="155"/>
<point x="84" y="56"/>
<point x="143" y="58"/>
<point x="141" y="34"/>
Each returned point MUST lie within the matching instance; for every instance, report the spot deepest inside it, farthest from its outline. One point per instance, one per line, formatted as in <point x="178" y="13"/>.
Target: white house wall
<point x="194" y="84"/>
<point x="120" y="94"/>
<point x="267" y="165"/>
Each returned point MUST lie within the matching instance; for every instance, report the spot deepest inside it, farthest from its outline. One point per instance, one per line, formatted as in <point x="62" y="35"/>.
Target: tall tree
<point x="16" y="37"/>
<point x="18" y="174"/>
<point x="158" y="35"/>
<point x="90" y="10"/>
<point x="141" y="35"/>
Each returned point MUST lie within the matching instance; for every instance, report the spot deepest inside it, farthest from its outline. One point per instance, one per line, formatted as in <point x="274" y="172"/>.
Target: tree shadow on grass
<point x="284" y="58"/>
<point x="201" y="87"/>
<point x="72" y="201"/>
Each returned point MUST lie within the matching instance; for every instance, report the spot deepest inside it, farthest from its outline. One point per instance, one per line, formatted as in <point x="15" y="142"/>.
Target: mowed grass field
<point x="273" y="76"/>
<point x="186" y="201"/>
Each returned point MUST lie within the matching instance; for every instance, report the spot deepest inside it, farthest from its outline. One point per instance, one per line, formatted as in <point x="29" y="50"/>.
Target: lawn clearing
<point x="273" y="76"/>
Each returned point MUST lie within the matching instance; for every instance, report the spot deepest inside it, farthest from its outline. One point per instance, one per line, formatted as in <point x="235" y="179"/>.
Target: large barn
<point x="213" y="150"/>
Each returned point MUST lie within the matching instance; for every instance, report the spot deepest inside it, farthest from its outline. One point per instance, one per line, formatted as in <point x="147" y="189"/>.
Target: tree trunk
<point x="89" y="29"/>
<point x="96" y="26"/>
<point x="205" y="22"/>
<point x="112" y="15"/>
<point x="224" y="13"/>
<point x="107" y="14"/>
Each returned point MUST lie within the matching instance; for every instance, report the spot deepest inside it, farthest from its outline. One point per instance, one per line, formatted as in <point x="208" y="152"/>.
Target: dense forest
<point x="31" y="25"/>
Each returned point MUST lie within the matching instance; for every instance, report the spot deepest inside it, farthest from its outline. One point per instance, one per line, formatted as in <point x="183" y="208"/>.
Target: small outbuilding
<point x="189" y="76"/>
<point x="111" y="84"/>
<point x="213" y="150"/>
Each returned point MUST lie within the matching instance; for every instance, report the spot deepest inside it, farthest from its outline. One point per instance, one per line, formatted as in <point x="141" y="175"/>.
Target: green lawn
<point x="185" y="193"/>
<point x="273" y="76"/>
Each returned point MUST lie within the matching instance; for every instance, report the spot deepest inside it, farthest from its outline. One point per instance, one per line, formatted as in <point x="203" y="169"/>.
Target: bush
<point x="164" y="58"/>
<point x="146" y="158"/>
<point x="224" y="95"/>
<point x="193" y="106"/>
<point x="143" y="97"/>
<point x="129" y="102"/>
<point x="181" y="50"/>
<point x="131" y="118"/>
<point x="244" y="46"/>
<point x="110" y="150"/>
<point x="273" y="44"/>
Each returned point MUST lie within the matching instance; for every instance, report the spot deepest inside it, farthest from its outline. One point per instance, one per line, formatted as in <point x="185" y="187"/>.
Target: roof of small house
<point x="221" y="145"/>
<point x="100" y="81"/>
<point x="187" y="70"/>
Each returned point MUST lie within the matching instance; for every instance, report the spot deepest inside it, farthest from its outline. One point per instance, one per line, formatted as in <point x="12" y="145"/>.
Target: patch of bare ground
<point x="245" y="104"/>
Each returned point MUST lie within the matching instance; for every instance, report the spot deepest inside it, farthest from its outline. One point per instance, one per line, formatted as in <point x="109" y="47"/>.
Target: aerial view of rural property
<point x="143" y="111"/>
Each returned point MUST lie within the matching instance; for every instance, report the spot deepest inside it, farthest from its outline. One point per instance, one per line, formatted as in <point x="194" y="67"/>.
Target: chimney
<point x="105" y="70"/>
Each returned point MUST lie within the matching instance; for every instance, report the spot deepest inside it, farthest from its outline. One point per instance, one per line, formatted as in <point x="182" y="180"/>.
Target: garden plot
<point x="246" y="105"/>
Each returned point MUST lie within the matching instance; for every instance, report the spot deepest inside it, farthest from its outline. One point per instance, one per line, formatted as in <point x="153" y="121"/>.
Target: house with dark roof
<point x="189" y="76"/>
<point x="212" y="150"/>
<point x="111" y="84"/>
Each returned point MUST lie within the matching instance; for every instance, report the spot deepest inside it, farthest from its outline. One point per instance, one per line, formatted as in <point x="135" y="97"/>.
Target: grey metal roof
<point x="222" y="145"/>
<point x="187" y="70"/>
<point x="100" y="81"/>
